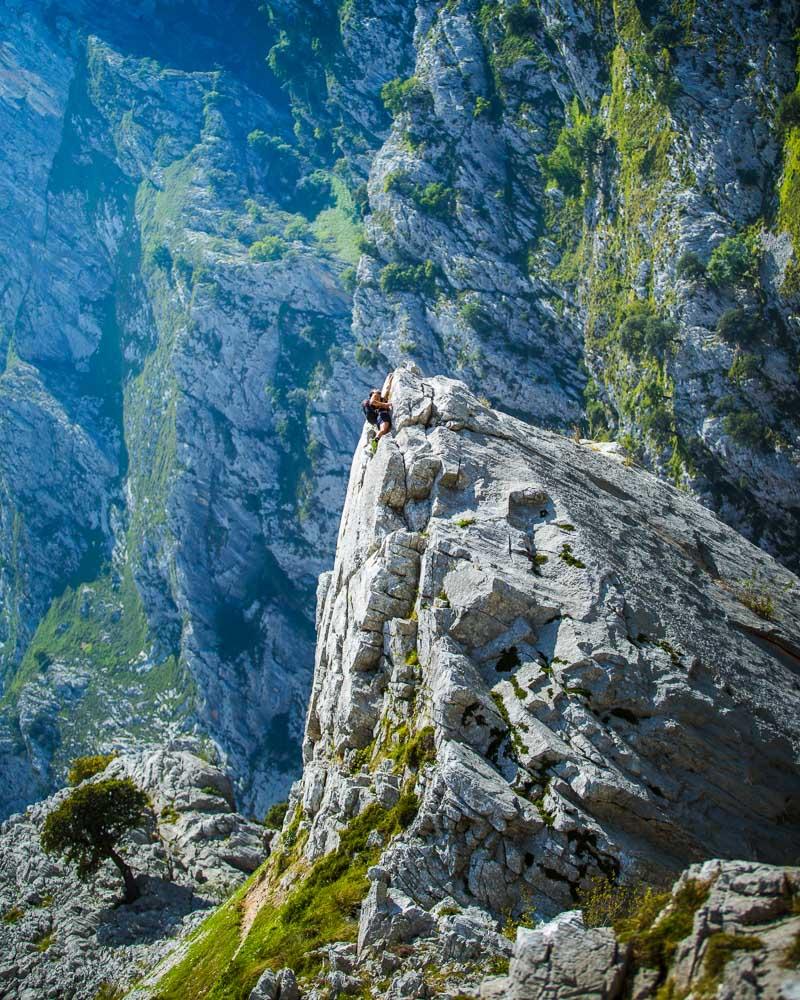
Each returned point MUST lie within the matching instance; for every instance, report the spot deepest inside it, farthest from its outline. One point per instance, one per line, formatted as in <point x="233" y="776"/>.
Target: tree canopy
<point x="86" y="827"/>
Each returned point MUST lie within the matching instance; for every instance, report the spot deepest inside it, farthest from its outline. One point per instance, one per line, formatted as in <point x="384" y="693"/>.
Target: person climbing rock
<point x="378" y="412"/>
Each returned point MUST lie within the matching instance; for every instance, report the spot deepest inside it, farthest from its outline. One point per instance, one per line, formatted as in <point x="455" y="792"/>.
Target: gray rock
<point x="191" y="852"/>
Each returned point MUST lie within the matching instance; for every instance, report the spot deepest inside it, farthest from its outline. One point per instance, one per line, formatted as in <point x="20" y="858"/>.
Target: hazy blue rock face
<point x="153" y="442"/>
<point x="216" y="233"/>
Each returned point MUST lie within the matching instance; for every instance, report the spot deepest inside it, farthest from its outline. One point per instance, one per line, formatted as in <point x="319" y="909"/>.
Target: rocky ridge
<point x="536" y="667"/>
<point x="62" y="938"/>
<point x="585" y="211"/>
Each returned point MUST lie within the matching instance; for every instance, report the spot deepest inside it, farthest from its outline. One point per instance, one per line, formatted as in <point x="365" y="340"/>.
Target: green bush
<point x="690" y="267"/>
<point x="747" y="428"/>
<point x="270" y="248"/>
<point x="664" y="35"/>
<point x="739" y="326"/>
<point x="476" y="317"/>
<point x="276" y="815"/>
<point x="789" y="112"/>
<point x="436" y="199"/>
<point x="605" y="903"/>
<point x="523" y="18"/>
<point x="655" y="932"/>
<point x="642" y="331"/>
<point x="402" y="95"/>
<point x="733" y="261"/>
<point x="368" y="355"/>
<point x="744" y="367"/>
<point x="410" y="278"/>
<point x="569" y="162"/>
<point x="87" y="767"/>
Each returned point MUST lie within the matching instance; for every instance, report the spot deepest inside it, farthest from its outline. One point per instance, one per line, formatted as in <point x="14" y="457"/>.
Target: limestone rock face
<point x="536" y="667"/>
<point x="574" y="640"/>
<point x="62" y="938"/>
<point x="738" y="943"/>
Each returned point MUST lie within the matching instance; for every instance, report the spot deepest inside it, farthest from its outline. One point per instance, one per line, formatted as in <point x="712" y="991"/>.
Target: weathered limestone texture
<point x="575" y="637"/>
<point x="62" y="938"/>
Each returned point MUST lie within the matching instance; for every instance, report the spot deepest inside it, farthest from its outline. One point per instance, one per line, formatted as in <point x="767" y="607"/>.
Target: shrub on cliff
<point x="643" y="331"/>
<point x="690" y="267"/>
<point x="412" y="278"/>
<point x="747" y="428"/>
<point x="87" y="767"/>
<point x="87" y="826"/>
<point x="275" y="815"/>
<point x="738" y="326"/>
<point x="401" y="95"/>
<point x="734" y="261"/>
<point x="789" y="112"/>
<point x="270" y="248"/>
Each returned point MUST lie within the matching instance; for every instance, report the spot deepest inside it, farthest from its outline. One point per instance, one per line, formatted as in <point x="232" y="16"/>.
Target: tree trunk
<point x="132" y="891"/>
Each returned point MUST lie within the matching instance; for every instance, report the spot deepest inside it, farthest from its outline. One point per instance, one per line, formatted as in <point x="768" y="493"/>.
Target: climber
<point x="378" y="412"/>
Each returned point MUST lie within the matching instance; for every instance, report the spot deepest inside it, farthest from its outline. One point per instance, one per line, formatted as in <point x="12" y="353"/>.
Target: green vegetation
<point x="43" y="942"/>
<point x="569" y="164"/>
<point x="270" y="248"/>
<point x="275" y="815"/>
<point x="339" y="227"/>
<point x="321" y="907"/>
<point x="639" y="125"/>
<point x="690" y="267"/>
<point x="13" y="914"/>
<point x="661" y="922"/>
<point x="108" y="991"/>
<point x="607" y="903"/>
<point x="739" y="326"/>
<point x="103" y="626"/>
<point x="720" y="947"/>
<point x="518" y="748"/>
<point x="465" y="522"/>
<point x="435" y="199"/>
<point x="789" y="112"/>
<point x="169" y="814"/>
<point x="755" y="595"/>
<point x="87" y="767"/>
<point x="735" y="260"/>
<point x="747" y="428"/>
<point x="791" y="957"/>
<point x="86" y="827"/>
<point x="412" y="660"/>
<point x="789" y="187"/>
<point x="410" y="278"/>
<point x="642" y="332"/>
<point x="744" y="367"/>
<point x="569" y="558"/>
<point x="403" y="95"/>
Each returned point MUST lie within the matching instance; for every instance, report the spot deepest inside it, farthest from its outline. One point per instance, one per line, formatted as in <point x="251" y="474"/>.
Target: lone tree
<point x="87" y="826"/>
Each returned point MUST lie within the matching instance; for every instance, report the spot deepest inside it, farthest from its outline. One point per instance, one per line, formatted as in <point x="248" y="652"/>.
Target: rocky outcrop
<point x="537" y="667"/>
<point x="556" y="183"/>
<point x="738" y="939"/>
<point x="575" y="637"/>
<point x="582" y="211"/>
<point x="63" y="938"/>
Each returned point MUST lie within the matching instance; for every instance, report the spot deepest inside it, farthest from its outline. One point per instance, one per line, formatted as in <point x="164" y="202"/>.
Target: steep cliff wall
<point x="535" y="667"/>
<point x="158" y="366"/>
<point x="219" y="226"/>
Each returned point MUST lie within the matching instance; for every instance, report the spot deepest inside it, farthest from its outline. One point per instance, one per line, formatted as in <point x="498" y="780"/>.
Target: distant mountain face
<point x="221" y="223"/>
